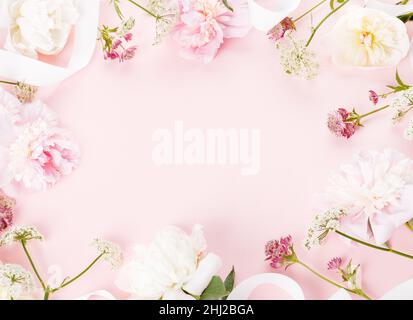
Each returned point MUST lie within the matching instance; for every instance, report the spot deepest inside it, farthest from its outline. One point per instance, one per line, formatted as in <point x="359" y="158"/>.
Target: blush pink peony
<point x="376" y="191"/>
<point x="34" y="151"/>
<point x="204" y="24"/>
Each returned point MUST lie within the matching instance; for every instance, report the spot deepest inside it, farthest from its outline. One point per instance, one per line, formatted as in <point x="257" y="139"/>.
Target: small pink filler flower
<point x="278" y="32"/>
<point x="374" y="97"/>
<point x="280" y="252"/>
<point x="7" y="206"/>
<point x="337" y="124"/>
<point x="335" y="263"/>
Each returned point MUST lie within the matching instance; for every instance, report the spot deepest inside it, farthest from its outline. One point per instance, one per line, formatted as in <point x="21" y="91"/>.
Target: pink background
<point x="120" y="194"/>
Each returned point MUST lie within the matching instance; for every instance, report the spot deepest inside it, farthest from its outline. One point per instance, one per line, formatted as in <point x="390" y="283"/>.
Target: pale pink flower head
<point x="35" y="152"/>
<point x="7" y="206"/>
<point x="280" y="252"/>
<point x="335" y="263"/>
<point x="374" y="97"/>
<point x="204" y="24"/>
<point x="278" y="32"/>
<point x="128" y="53"/>
<point x="337" y="124"/>
<point x="376" y="191"/>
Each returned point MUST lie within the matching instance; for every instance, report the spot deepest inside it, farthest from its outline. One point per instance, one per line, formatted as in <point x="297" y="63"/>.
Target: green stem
<point x="324" y="20"/>
<point x="309" y="11"/>
<point x="367" y="244"/>
<point x="46" y="294"/>
<point x="358" y="292"/>
<point x="144" y="9"/>
<point x="9" y="82"/>
<point x="366" y="114"/>
<point x="65" y="284"/>
<point x="33" y="265"/>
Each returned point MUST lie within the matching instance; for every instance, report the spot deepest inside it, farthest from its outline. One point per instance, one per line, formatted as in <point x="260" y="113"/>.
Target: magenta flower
<point x="335" y="263"/>
<point x="128" y="54"/>
<point x="7" y="206"/>
<point x="337" y="123"/>
<point x="278" y="32"/>
<point x="128" y="37"/>
<point x="374" y="97"/>
<point x="116" y="44"/>
<point x="280" y="252"/>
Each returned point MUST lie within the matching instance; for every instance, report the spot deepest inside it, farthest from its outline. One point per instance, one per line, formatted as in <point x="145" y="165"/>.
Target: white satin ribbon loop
<point x="246" y="287"/>
<point x="98" y="293"/>
<point x="264" y="19"/>
<point x="14" y="66"/>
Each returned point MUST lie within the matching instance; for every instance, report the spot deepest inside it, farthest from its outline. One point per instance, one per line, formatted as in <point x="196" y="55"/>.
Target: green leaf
<point x="332" y="4"/>
<point x="230" y="280"/>
<point x="399" y="80"/>
<point x="410" y="225"/>
<point x="226" y="4"/>
<point x="215" y="290"/>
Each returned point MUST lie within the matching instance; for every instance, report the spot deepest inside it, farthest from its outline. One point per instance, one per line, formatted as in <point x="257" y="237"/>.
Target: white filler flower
<point x="369" y="38"/>
<point x="40" y="26"/>
<point x="169" y="268"/>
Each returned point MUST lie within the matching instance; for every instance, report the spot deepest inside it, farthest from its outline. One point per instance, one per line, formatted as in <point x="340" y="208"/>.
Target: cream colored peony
<point x="40" y="26"/>
<point x="369" y="38"/>
<point x="172" y="266"/>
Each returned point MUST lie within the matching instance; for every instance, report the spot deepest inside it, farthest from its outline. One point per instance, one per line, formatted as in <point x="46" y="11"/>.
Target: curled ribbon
<point x="263" y="19"/>
<point x="16" y="67"/>
<point x="403" y="291"/>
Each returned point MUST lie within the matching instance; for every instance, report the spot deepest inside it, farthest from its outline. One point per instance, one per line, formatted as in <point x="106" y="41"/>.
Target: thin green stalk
<point x="358" y="292"/>
<point x="33" y="265"/>
<point x="9" y="82"/>
<point x="144" y="9"/>
<point x="309" y="11"/>
<point x="366" y="114"/>
<point x="324" y="20"/>
<point x="367" y="244"/>
<point x="65" y="284"/>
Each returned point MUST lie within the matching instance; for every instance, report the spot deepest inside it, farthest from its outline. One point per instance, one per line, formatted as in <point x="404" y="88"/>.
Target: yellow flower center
<point x="367" y="39"/>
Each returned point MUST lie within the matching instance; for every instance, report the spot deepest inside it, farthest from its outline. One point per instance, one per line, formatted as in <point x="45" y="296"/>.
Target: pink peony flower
<point x="334" y="263"/>
<point x="278" y="32"/>
<point x="280" y="252"/>
<point x="204" y="24"/>
<point x="7" y="205"/>
<point x="337" y="124"/>
<point x="376" y="191"/>
<point x="374" y="97"/>
<point x="34" y="152"/>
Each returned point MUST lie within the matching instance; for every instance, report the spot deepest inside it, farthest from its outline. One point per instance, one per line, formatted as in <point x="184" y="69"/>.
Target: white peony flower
<point x="40" y="26"/>
<point x="170" y="267"/>
<point x="369" y="38"/>
<point x="376" y="191"/>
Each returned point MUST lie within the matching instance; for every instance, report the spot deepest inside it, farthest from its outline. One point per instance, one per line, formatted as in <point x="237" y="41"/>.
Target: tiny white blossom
<point x="408" y="132"/>
<point x="402" y="103"/>
<point x="167" y="14"/>
<point x="322" y="225"/>
<point x="19" y="234"/>
<point x="111" y="252"/>
<point x="15" y="282"/>
<point x="296" y="58"/>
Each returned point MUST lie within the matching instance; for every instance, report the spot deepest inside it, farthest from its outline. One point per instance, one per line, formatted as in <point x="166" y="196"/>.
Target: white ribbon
<point x="98" y="293"/>
<point x="264" y="19"/>
<point x="16" y="67"/>
<point x="246" y="287"/>
<point x="403" y="291"/>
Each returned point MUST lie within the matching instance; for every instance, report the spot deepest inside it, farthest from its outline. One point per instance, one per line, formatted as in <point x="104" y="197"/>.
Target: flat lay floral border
<point x="367" y="201"/>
